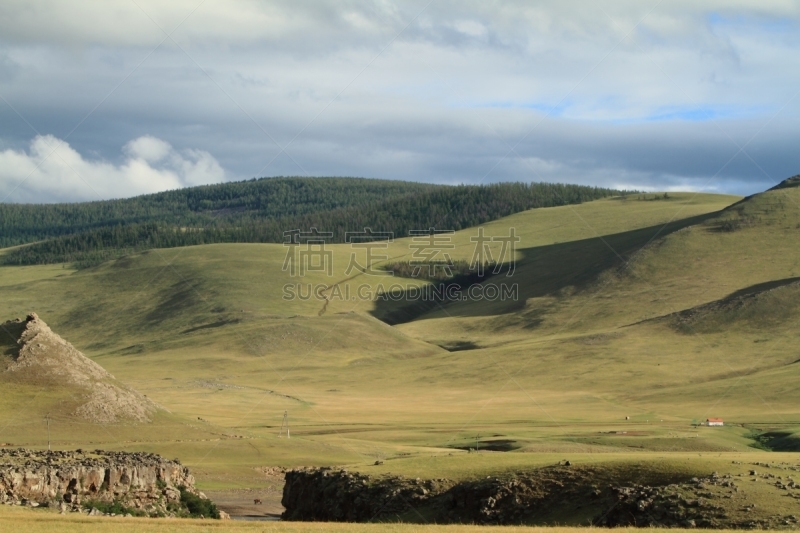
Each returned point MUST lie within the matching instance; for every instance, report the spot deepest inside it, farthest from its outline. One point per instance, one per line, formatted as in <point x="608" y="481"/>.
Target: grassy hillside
<point x="726" y="348"/>
<point x="214" y="314"/>
<point x="656" y="310"/>
<point x="656" y="271"/>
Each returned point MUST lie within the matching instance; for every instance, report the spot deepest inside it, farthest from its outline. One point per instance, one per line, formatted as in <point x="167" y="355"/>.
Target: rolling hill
<point x="662" y="310"/>
<point x="222" y="307"/>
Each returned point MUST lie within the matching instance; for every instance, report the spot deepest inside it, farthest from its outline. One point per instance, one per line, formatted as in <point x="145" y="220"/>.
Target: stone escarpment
<point x="560" y="494"/>
<point x="140" y="483"/>
<point x="337" y="495"/>
<point x="324" y="494"/>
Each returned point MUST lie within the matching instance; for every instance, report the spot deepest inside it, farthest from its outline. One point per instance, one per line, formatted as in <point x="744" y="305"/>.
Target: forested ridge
<point x="199" y="206"/>
<point x="261" y="211"/>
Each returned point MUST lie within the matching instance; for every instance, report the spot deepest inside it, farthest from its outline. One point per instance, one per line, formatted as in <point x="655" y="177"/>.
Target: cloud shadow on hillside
<point x="541" y="271"/>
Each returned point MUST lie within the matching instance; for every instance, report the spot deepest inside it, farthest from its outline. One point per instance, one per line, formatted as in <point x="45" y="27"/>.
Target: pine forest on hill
<point x="260" y="211"/>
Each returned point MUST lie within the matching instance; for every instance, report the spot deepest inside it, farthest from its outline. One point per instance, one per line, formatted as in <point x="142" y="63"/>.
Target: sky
<point x="113" y="99"/>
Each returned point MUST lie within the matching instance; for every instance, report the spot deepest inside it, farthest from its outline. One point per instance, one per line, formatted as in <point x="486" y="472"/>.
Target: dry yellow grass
<point x="33" y="521"/>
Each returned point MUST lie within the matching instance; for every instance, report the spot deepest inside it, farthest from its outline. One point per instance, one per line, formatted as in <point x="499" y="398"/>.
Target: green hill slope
<point x="655" y="271"/>
<point x="758" y="308"/>
<point x="725" y="285"/>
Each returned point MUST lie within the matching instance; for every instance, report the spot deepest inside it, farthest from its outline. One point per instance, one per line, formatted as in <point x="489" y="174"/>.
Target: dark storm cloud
<point x="635" y="94"/>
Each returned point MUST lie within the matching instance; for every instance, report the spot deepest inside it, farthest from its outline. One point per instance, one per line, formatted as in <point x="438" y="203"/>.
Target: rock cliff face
<point x="560" y="494"/>
<point x="336" y="495"/>
<point x="139" y="481"/>
<point x="323" y="494"/>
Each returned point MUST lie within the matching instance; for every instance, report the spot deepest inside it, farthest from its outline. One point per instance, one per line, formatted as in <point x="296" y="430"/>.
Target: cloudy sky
<point x="117" y="98"/>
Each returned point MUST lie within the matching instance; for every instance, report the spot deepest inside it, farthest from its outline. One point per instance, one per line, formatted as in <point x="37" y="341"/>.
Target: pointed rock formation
<point x="42" y="357"/>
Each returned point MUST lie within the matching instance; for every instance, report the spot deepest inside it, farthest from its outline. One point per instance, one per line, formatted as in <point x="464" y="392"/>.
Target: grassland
<point x="590" y="362"/>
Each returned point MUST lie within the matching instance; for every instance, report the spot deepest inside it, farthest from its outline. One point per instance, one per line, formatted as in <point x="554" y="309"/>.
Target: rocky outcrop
<point x="142" y="482"/>
<point x="696" y="503"/>
<point x="324" y="494"/>
<point x="336" y="495"/>
<point x="40" y="356"/>
<point x="549" y="495"/>
<point x="644" y="506"/>
<point x="520" y="498"/>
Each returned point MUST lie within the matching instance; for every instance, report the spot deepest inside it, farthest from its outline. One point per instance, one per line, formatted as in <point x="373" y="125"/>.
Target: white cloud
<point x="412" y="89"/>
<point x="148" y="148"/>
<point x="51" y="170"/>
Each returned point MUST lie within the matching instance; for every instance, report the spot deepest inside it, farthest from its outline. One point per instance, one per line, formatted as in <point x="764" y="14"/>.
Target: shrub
<point x="197" y="506"/>
<point x="730" y="225"/>
<point x="113" y="507"/>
